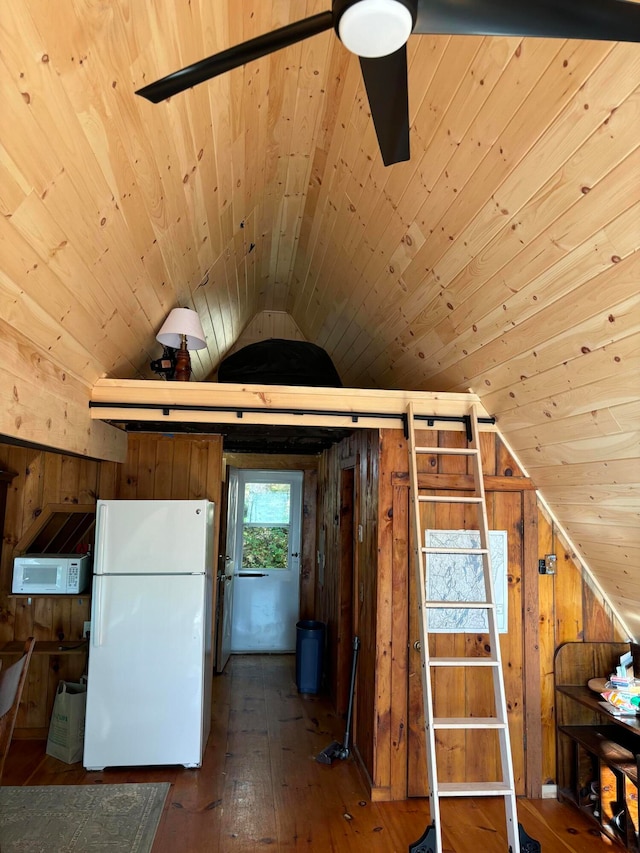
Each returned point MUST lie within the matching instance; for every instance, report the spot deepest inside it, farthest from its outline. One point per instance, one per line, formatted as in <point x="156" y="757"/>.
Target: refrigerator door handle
<point x="101" y="528"/>
<point x="96" y="633"/>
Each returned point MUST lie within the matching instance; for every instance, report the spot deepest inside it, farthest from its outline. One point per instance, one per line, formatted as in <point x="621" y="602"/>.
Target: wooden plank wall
<point x="44" y="404"/>
<point x="42" y="478"/>
<point x="545" y="610"/>
<point x="156" y="467"/>
<point x="567" y="606"/>
<point x="166" y="467"/>
<point x="571" y="608"/>
<point x="361" y="452"/>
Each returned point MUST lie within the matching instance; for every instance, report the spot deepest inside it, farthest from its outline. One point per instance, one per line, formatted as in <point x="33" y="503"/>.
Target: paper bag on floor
<point x="66" y="730"/>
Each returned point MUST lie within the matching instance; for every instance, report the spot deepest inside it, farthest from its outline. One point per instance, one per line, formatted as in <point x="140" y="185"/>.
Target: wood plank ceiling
<point x="503" y="257"/>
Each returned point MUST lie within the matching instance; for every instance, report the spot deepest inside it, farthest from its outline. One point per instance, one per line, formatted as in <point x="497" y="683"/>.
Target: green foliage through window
<point x="265" y="547"/>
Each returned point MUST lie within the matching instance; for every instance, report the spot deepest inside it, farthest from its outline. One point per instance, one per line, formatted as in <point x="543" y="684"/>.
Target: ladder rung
<point x="442" y="550"/>
<point x="468" y="723"/>
<point x="448" y="451"/>
<point x="438" y="499"/>
<point x="463" y="662"/>
<point x="474" y="789"/>
<point x="458" y="605"/>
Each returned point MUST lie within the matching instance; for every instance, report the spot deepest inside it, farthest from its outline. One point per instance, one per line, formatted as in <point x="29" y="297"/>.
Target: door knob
<point x="417" y="645"/>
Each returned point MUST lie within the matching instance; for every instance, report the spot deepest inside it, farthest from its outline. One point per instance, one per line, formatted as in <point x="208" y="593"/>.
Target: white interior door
<point x="225" y="588"/>
<point x="266" y="598"/>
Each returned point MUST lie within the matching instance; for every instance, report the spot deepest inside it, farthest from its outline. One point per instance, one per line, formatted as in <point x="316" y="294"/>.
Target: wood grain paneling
<point x="156" y="467"/>
<point x="502" y="257"/>
<point x="360" y="452"/>
<point x="42" y="478"/>
<point x="543" y="612"/>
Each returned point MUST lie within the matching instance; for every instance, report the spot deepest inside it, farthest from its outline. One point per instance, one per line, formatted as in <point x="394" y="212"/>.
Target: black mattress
<point x="280" y="362"/>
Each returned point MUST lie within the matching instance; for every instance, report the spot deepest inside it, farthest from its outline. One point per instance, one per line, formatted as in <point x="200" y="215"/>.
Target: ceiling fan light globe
<point x="373" y="28"/>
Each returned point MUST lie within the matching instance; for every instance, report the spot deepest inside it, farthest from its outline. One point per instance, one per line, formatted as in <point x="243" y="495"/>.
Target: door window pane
<point x="267" y="503"/>
<point x="265" y="531"/>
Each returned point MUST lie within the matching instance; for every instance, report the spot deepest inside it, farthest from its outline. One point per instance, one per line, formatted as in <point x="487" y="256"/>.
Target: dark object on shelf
<point x="166" y="364"/>
<point x="337" y="750"/>
<point x="280" y="362"/>
<point x="309" y="655"/>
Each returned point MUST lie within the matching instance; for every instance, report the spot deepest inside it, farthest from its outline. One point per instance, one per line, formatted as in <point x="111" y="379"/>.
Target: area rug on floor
<point x="80" y="818"/>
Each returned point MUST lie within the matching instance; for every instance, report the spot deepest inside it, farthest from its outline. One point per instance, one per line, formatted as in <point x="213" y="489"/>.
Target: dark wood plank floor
<point x="261" y="788"/>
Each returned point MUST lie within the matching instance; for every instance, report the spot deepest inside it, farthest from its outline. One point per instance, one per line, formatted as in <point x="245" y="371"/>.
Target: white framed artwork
<point x="459" y="577"/>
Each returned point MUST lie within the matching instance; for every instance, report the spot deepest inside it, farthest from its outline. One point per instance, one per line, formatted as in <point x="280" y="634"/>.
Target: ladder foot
<point x="527" y="844"/>
<point x="426" y="843"/>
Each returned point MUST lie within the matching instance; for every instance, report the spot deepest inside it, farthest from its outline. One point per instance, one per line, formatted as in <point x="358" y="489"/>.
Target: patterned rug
<point x="80" y="818"/>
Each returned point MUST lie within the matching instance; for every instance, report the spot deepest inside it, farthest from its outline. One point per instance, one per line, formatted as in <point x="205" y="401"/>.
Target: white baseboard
<point x="549" y="792"/>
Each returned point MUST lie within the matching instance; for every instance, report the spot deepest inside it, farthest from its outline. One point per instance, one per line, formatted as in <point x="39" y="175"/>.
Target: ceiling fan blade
<point x="600" y="20"/>
<point x="234" y="57"/>
<point x="385" y="79"/>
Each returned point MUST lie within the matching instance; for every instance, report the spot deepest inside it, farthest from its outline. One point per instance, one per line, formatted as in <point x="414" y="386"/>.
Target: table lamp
<point x="182" y="330"/>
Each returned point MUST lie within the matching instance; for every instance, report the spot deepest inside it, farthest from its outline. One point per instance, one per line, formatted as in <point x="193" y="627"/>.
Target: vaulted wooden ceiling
<point x="503" y="257"/>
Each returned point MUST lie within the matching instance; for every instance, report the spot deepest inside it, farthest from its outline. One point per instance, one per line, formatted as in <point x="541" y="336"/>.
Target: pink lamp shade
<point x="182" y="321"/>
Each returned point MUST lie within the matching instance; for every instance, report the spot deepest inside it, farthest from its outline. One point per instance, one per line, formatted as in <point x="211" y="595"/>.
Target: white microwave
<point x="51" y="574"/>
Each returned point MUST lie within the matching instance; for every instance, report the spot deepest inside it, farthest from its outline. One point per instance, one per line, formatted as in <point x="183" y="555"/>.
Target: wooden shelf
<point x="59" y="529"/>
<point x="80" y="595"/>
<point x="597" y="750"/>
<point x="47" y="647"/>
<point x="588" y="699"/>
<point x="604" y="742"/>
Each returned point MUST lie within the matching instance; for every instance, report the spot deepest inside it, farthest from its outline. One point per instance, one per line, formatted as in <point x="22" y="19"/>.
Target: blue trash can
<point x="309" y="655"/>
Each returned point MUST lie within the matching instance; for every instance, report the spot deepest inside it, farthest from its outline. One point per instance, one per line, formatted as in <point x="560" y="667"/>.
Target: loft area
<point x="245" y="438"/>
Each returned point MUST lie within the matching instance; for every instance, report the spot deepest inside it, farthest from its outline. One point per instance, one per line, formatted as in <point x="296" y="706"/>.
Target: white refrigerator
<point x="150" y="655"/>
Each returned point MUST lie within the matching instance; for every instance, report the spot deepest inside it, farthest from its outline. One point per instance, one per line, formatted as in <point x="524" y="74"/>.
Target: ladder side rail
<point x="500" y="698"/>
<point x="421" y="583"/>
<point x="483" y="530"/>
<point x="483" y="526"/>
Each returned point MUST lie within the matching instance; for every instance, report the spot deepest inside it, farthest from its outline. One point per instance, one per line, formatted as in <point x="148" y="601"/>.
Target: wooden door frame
<point x="220" y="569"/>
<point x="346" y="580"/>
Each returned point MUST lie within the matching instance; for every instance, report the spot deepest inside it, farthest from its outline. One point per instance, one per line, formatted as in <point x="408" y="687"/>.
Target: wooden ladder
<point x="431" y="841"/>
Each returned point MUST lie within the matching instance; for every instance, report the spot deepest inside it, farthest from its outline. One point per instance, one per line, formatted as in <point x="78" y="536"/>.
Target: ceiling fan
<point x="377" y="31"/>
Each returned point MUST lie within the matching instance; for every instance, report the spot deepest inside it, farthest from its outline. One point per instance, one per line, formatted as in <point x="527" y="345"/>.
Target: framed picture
<point x="460" y="577"/>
